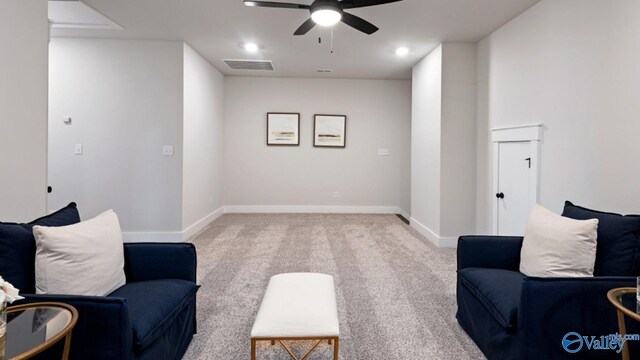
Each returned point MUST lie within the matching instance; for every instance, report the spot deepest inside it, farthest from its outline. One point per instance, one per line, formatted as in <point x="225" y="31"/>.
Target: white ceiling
<point x="217" y="29"/>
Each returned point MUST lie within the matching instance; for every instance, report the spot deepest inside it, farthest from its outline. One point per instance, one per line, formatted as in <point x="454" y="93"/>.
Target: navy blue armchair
<point x="511" y="316"/>
<point x="152" y="316"/>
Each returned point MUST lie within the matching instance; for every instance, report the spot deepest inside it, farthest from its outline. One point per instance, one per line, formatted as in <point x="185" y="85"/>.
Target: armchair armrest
<point x="155" y="261"/>
<point x="494" y="252"/>
<point x="552" y="307"/>
<point x="103" y="330"/>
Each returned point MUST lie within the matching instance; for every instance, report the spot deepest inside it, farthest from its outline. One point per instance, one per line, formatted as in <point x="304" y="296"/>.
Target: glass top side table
<point x="624" y="300"/>
<point x="32" y="328"/>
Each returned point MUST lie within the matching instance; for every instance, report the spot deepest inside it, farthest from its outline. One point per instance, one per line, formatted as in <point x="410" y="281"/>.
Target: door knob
<point x="500" y="195"/>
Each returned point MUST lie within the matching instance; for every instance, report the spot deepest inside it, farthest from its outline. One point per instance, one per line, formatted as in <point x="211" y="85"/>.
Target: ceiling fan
<point x="328" y="13"/>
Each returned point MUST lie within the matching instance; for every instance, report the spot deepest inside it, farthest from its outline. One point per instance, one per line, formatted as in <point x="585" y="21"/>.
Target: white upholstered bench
<point x="298" y="306"/>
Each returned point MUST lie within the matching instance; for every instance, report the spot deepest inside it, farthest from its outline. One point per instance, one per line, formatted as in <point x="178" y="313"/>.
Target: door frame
<point x="527" y="133"/>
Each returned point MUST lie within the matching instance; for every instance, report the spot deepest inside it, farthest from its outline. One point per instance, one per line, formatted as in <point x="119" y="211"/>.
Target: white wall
<point x="258" y="177"/>
<point x="458" y="144"/>
<point x="443" y="150"/>
<point x="125" y="98"/>
<point x="425" y="141"/>
<point x="484" y="195"/>
<point x="203" y="143"/>
<point x="24" y="35"/>
<point x="572" y="65"/>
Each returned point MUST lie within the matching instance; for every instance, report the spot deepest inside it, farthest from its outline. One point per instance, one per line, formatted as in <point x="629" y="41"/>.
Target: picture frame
<point x="283" y="129"/>
<point x="329" y="131"/>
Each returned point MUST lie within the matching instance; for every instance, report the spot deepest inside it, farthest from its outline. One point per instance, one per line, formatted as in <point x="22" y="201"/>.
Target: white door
<point x="514" y="187"/>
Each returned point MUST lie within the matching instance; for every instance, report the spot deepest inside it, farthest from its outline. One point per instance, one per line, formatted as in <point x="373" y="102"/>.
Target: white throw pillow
<point x="86" y="258"/>
<point x="556" y="246"/>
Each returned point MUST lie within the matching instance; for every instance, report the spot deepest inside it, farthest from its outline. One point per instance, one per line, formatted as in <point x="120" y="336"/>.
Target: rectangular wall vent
<point x="324" y="71"/>
<point x="249" y="64"/>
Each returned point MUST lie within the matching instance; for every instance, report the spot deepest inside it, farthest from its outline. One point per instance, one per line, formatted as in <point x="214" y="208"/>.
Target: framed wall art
<point x="330" y="131"/>
<point x="283" y="129"/>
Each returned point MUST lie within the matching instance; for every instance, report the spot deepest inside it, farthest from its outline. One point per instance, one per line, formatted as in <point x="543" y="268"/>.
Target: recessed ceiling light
<point x="327" y="16"/>
<point x="251" y="47"/>
<point x="402" y="51"/>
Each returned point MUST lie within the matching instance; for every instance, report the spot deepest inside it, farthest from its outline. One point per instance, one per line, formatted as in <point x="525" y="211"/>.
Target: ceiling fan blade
<point x="273" y="4"/>
<point x="305" y="27"/>
<point x="352" y="4"/>
<point x="359" y="23"/>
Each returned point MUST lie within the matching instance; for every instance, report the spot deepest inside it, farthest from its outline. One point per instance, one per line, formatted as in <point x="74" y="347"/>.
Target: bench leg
<point x="335" y="349"/>
<point x="253" y="349"/>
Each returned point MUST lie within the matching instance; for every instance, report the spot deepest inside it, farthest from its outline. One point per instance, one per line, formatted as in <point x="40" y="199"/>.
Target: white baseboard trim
<point x="437" y="240"/>
<point x="177" y="236"/>
<point x="310" y="209"/>
<point x="139" y="236"/>
<point x="449" y="242"/>
<point x="201" y="224"/>
<point x="172" y="236"/>
<point x="425" y="231"/>
<point x="404" y="214"/>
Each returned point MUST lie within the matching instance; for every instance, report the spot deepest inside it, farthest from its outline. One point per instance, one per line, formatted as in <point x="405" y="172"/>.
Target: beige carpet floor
<point x="395" y="290"/>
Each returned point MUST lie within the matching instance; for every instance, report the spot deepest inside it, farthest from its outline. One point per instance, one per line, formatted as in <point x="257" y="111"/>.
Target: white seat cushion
<point x="298" y="305"/>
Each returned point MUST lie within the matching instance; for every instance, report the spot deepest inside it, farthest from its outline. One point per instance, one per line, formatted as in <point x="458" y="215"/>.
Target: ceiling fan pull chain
<point x="332" y="40"/>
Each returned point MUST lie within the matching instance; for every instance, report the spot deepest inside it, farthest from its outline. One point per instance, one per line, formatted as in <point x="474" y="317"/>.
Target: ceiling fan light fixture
<point x="326" y="16"/>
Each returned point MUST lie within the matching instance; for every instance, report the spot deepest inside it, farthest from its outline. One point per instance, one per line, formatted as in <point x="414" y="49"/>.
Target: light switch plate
<point x="167" y="150"/>
<point x="78" y="149"/>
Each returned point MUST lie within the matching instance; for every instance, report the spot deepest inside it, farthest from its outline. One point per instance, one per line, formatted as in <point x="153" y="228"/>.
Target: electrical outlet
<point x="336" y="195"/>
<point x="78" y="149"/>
<point x="167" y="150"/>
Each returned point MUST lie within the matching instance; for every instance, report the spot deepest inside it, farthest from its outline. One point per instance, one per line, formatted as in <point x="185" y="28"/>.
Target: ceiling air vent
<point x="324" y="71"/>
<point x="249" y="64"/>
